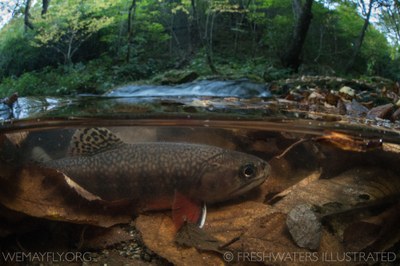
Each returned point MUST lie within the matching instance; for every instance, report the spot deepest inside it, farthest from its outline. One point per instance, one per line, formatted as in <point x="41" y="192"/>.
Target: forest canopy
<point x="57" y="47"/>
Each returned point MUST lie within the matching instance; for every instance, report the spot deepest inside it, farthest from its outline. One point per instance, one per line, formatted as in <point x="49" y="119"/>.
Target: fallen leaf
<point x="190" y="235"/>
<point x="350" y="143"/>
<point x="223" y="224"/>
<point x="374" y="234"/>
<point x="351" y="188"/>
<point x="230" y="221"/>
<point x="158" y="234"/>
<point x="268" y="233"/>
<point x="303" y="183"/>
<point x="360" y="234"/>
<point x="17" y="138"/>
<point x="100" y="238"/>
<point x="391" y="147"/>
<point x="252" y="226"/>
<point x="284" y="175"/>
<point x="269" y="239"/>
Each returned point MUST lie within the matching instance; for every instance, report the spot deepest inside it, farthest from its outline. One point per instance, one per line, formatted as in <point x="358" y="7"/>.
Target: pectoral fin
<point x="185" y="209"/>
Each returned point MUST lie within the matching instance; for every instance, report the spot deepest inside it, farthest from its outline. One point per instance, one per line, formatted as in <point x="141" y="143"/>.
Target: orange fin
<point x="188" y="210"/>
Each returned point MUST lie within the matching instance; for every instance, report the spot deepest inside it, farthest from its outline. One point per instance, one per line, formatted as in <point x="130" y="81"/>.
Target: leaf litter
<point x="307" y="216"/>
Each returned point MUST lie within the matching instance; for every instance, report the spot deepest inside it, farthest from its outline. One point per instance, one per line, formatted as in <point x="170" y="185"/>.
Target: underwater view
<point x="196" y="180"/>
<point x="201" y="132"/>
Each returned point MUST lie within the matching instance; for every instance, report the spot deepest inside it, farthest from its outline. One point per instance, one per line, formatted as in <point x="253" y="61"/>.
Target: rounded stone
<point x="304" y="226"/>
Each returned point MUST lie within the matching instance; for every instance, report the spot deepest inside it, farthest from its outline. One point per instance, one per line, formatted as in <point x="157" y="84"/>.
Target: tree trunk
<point x="291" y="58"/>
<point x="27" y="15"/>
<point x="131" y="17"/>
<point x="209" y="42"/>
<point x="238" y="25"/>
<point x="194" y="31"/>
<point x="45" y="6"/>
<point x="358" y="44"/>
<point x="70" y="50"/>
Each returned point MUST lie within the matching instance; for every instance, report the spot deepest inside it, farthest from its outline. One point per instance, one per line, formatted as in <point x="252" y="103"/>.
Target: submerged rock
<point x="304" y="226"/>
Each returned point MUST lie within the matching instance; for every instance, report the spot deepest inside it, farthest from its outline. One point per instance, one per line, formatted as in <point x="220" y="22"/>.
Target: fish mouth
<point x="248" y="186"/>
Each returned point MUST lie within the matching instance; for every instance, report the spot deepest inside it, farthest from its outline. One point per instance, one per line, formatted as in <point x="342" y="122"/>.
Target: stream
<point x="333" y="176"/>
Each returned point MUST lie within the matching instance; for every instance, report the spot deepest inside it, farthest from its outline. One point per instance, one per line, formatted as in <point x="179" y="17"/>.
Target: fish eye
<point x="248" y="170"/>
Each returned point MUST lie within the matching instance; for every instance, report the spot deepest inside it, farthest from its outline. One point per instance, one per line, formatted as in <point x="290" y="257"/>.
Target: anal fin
<point x="188" y="210"/>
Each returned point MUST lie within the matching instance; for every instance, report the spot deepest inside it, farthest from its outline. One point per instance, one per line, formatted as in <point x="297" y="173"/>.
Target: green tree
<point x="68" y="24"/>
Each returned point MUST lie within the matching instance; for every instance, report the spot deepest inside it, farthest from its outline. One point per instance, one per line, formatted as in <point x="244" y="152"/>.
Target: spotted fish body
<point x="153" y="173"/>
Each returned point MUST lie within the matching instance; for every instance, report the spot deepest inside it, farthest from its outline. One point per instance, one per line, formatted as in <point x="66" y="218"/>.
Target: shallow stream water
<point x="344" y="168"/>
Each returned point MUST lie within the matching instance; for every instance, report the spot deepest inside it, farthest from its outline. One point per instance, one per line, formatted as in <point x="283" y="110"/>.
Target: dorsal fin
<point x="89" y="141"/>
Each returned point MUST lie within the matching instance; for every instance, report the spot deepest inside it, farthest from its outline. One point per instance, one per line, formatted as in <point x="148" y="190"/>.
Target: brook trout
<point x="157" y="175"/>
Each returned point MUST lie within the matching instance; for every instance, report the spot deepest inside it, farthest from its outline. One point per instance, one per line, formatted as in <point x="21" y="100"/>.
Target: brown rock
<point x="382" y="111"/>
<point x="396" y="115"/>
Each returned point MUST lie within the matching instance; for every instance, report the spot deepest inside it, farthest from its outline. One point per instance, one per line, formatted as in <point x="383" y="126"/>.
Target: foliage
<point x="15" y="56"/>
<point x="389" y="23"/>
<point x="82" y="46"/>
<point x="70" y="24"/>
<point x="96" y="77"/>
